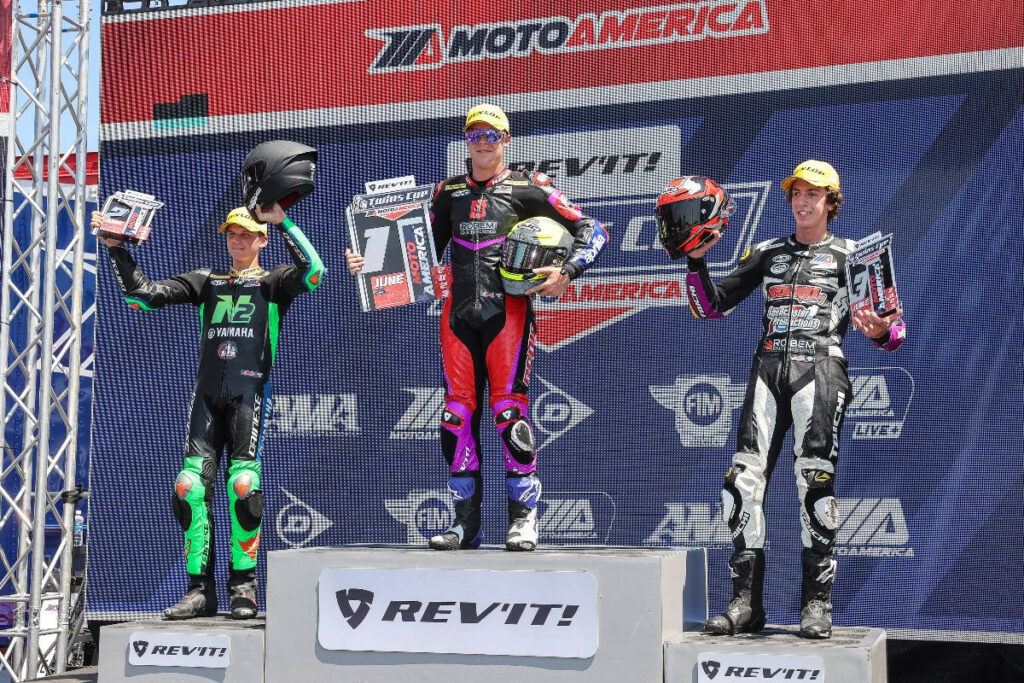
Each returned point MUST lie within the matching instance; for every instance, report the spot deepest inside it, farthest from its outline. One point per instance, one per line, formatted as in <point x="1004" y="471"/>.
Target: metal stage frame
<point x="41" y="334"/>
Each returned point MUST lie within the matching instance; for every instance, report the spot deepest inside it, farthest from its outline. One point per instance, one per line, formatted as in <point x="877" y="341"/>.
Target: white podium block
<point x="201" y="650"/>
<point x="851" y="655"/>
<point x="393" y="614"/>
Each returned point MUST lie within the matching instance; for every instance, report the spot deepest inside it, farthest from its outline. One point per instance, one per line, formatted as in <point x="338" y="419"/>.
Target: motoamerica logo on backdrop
<point x="408" y="48"/>
<point x="616" y="179"/>
<point x="873" y="527"/>
<point x="570" y="517"/>
<point x="554" y="413"/>
<point x="704" y="405"/>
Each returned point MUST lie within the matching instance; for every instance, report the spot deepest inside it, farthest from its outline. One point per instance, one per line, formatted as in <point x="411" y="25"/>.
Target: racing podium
<point x="387" y="614"/>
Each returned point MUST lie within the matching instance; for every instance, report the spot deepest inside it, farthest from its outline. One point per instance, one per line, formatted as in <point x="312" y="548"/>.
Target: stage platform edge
<point x="644" y="597"/>
<point x="245" y="652"/>
<point x="851" y="655"/>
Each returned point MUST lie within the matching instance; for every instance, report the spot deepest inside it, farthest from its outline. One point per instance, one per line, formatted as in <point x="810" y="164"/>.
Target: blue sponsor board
<point x="634" y="401"/>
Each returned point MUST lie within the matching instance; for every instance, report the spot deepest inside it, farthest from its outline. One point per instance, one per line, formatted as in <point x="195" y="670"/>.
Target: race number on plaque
<point x="872" y="276"/>
<point x="391" y="230"/>
<point x="127" y="215"/>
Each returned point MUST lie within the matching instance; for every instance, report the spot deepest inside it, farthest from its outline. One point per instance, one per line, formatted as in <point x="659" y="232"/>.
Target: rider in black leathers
<point x="240" y="319"/>
<point x="799" y="380"/>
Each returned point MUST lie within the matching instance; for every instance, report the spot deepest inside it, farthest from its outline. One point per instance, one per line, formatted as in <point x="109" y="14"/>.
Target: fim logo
<point x="880" y="402"/>
<point x="360" y="598"/>
<point x="873" y="527"/>
<point x="703" y="406"/>
<point x="297" y="523"/>
<point x="562" y="517"/>
<point x="691" y="524"/>
<point x="314" y="415"/>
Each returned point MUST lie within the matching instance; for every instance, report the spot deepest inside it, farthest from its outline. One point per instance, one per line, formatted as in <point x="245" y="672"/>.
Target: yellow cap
<point x="241" y="216"/>
<point x="816" y="173"/>
<point x="490" y="114"/>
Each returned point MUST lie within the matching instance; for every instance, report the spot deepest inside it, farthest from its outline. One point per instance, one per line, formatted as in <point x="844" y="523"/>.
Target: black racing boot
<point x="745" y="614"/>
<point x="522" y="527"/>
<point x="242" y="589"/>
<point x="464" y="531"/>
<point x="200" y="600"/>
<point x="816" y="594"/>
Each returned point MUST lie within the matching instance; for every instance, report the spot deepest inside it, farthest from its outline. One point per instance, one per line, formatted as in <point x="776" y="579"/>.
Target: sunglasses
<point x="475" y="137"/>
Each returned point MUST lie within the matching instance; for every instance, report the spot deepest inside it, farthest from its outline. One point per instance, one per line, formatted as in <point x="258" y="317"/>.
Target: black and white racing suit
<point x="798" y="379"/>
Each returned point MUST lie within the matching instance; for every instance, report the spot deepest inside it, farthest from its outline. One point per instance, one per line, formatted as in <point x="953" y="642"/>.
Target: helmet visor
<point x="520" y="258"/>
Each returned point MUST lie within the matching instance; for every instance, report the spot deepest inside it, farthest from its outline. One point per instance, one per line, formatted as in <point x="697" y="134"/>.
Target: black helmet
<point x="278" y="171"/>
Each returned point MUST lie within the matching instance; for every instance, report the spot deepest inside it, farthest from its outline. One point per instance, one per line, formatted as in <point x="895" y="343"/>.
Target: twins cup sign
<point x="127" y="215"/>
<point x="391" y="230"/>
<point x="872" y="276"/>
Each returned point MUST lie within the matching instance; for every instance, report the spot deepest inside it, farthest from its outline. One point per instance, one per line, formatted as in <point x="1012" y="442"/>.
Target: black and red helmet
<point x="279" y="171"/>
<point x="689" y="210"/>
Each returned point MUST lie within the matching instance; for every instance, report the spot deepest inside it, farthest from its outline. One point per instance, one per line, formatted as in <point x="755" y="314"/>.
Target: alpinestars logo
<point x="410" y="48"/>
<point x="360" y="598"/>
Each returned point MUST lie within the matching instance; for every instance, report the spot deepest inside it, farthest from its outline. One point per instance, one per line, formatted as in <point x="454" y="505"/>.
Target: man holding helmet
<point x="240" y="317"/>
<point x="798" y="379"/>
<point x="487" y="329"/>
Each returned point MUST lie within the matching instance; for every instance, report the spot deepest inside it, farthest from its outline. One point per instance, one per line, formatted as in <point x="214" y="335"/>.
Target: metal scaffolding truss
<point x="40" y="335"/>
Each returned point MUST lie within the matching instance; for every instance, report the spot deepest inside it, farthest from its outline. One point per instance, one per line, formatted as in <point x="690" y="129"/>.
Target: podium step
<point x="387" y="614"/>
<point x="200" y="650"/>
<point x="851" y="655"/>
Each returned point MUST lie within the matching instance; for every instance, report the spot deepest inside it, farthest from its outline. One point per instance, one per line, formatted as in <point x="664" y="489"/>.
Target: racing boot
<point x="745" y="614"/>
<point x="816" y="594"/>
<point x="200" y="600"/>
<point x="464" y="532"/>
<point x="523" y="496"/>
<point x="242" y="589"/>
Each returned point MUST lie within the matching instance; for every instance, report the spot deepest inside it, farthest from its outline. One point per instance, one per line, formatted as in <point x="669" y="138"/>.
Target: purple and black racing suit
<point x="487" y="336"/>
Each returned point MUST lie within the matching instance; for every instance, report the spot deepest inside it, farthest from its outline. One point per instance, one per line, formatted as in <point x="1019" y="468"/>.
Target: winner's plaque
<point x="872" y="276"/>
<point x="391" y="230"/>
<point x="127" y="215"/>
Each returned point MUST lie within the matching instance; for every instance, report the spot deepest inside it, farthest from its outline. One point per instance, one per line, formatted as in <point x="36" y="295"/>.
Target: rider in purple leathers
<point x="487" y="336"/>
<point x="799" y="380"/>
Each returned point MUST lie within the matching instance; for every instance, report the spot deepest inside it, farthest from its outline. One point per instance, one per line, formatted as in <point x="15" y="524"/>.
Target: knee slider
<point x="188" y="492"/>
<point x="248" y="505"/>
<point x="451" y="424"/>
<point x="517" y="435"/>
<point x="820" y="513"/>
<point x="732" y="500"/>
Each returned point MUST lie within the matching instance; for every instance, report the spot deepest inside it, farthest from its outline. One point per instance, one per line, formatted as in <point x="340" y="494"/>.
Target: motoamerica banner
<point x="634" y="402"/>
